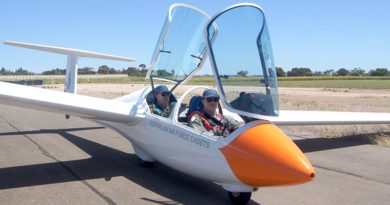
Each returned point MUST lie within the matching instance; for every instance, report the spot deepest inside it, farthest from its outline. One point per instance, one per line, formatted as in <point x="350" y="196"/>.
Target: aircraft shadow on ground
<point x="106" y="162"/>
<point x="320" y="144"/>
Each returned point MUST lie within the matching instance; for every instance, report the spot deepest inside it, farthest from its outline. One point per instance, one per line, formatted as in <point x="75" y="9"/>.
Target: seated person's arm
<point x="196" y="123"/>
<point x="233" y="124"/>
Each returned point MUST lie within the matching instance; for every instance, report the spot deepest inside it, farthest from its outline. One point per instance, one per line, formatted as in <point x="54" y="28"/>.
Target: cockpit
<point x="241" y="59"/>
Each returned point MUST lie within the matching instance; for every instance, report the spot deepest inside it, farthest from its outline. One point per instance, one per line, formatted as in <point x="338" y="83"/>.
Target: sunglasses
<point x="165" y="94"/>
<point x="212" y="99"/>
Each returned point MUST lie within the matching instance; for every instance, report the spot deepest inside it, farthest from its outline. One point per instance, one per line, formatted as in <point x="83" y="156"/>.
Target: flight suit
<point x="156" y="109"/>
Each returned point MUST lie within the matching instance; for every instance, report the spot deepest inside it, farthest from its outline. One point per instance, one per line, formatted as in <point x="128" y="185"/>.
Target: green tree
<point x="114" y="71"/>
<point x="56" y="71"/>
<point x="142" y="66"/>
<point x="4" y="71"/>
<point x="103" y="69"/>
<point x="144" y="72"/>
<point x="132" y="71"/>
<point x="21" y="71"/>
<point x="86" y="71"/>
<point x="280" y="72"/>
<point x="379" y="72"/>
<point x="242" y="73"/>
<point x="300" y="72"/>
<point x="357" y="72"/>
<point x="329" y="72"/>
<point x="163" y="73"/>
<point x="342" y="72"/>
<point x="318" y="73"/>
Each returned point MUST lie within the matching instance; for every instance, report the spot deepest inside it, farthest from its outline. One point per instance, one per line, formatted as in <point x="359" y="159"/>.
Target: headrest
<point x="195" y="104"/>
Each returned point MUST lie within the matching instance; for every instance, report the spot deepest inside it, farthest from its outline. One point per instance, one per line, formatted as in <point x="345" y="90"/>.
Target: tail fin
<point x="73" y="56"/>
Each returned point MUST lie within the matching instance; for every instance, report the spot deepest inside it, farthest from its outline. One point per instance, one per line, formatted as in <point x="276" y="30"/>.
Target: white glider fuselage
<point x="174" y="143"/>
<point x="239" y="162"/>
<point x="155" y="138"/>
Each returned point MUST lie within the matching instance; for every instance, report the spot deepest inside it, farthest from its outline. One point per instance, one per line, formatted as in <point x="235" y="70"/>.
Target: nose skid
<point x="264" y="156"/>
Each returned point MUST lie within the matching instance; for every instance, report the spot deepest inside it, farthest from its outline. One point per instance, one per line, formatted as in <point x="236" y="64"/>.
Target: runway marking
<point x="350" y="174"/>
<point x="47" y="154"/>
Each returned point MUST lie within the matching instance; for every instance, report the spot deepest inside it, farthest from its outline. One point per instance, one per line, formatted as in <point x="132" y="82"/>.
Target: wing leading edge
<point x="66" y="103"/>
<point x="289" y="117"/>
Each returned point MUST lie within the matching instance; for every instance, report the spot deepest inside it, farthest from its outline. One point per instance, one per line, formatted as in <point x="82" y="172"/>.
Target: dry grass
<point x="331" y="99"/>
<point x="382" y="139"/>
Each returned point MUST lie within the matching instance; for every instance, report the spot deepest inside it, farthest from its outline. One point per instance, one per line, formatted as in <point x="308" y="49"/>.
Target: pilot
<point x="209" y="120"/>
<point x="161" y="105"/>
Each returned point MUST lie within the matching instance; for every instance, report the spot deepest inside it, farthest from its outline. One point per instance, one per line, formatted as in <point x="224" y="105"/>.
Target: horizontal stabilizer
<point x="292" y="117"/>
<point x="68" y="51"/>
<point x="66" y="103"/>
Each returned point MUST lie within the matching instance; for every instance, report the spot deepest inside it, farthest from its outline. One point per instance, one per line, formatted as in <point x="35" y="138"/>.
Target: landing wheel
<point x="144" y="163"/>
<point x="239" y="198"/>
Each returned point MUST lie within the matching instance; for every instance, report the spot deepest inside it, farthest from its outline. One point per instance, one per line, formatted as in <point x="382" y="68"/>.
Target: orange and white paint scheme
<point x="257" y="154"/>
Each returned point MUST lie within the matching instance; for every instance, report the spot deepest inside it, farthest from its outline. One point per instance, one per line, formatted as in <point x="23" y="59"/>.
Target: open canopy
<point x="181" y="48"/>
<point x="240" y="50"/>
<point x="242" y="60"/>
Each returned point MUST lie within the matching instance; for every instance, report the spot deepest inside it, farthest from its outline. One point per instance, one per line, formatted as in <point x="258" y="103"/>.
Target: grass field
<point x="359" y="82"/>
<point x="297" y="82"/>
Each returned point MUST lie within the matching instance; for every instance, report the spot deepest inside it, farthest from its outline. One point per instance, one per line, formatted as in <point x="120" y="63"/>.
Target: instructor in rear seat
<point x="161" y="105"/>
<point x="209" y="120"/>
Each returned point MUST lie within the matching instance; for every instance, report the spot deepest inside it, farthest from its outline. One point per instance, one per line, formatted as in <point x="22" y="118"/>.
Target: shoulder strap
<point x="155" y="109"/>
<point x="151" y="107"/>
<point x="202" y="117"/>
<point x="220" y="121"/>
<point x="223" y="125"/>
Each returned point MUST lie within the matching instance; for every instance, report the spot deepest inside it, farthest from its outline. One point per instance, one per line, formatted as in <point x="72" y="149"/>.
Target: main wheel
<point x="239" y="198"/>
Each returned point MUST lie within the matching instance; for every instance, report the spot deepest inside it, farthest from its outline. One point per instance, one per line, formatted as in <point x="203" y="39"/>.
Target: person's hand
<point x="183" y="106"/>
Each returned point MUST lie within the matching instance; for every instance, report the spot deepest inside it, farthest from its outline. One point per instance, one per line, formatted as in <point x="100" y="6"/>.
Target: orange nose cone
<point x="264" y="156"/>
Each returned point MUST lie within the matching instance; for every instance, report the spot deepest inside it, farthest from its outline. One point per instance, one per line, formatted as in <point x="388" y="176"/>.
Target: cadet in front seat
<point x="209" y="120"/>
<point x="161" y="104"/>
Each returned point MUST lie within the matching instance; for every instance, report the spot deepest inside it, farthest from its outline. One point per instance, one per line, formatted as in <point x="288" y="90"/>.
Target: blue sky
<point x="304" y="33"/>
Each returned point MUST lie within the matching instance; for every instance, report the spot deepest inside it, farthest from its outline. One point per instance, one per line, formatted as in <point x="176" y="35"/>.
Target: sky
<point x="320" y="35"/>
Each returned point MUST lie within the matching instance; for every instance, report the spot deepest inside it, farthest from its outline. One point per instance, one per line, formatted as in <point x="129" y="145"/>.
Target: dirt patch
<point x="354" y="100"/>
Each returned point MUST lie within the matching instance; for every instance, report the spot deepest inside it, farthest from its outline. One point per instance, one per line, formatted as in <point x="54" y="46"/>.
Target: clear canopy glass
<point x="182" y="46"/>
<point x="241" y="55"/>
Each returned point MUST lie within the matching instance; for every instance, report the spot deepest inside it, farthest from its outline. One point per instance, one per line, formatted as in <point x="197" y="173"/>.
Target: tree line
<point x="141" y="71"/>
<point x="331" y="72"/>
<point x="19" y="71"/>
<point x="104" y="69"/>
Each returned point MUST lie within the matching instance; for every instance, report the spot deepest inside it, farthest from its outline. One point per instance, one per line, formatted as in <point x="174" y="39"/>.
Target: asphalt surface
<point x="46" y="159"/>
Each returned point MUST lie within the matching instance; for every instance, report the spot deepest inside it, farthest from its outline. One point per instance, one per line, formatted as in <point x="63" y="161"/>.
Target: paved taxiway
<point x="45" y="159"/>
